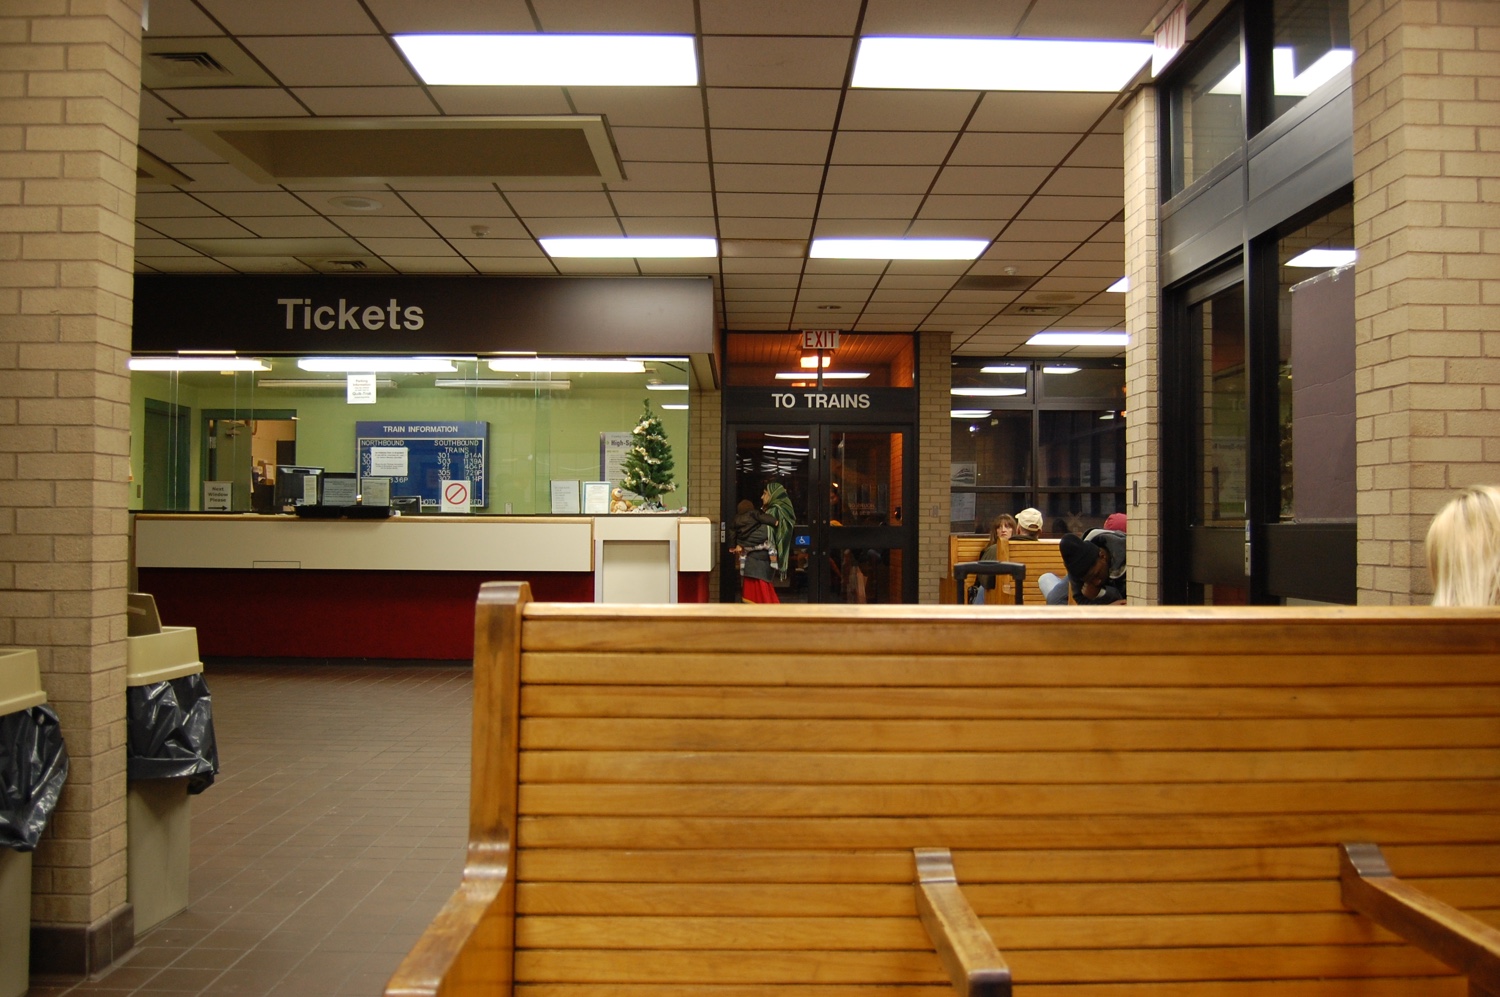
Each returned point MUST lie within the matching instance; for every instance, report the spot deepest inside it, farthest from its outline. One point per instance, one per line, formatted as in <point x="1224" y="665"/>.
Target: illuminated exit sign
<point x="820" y="339"/>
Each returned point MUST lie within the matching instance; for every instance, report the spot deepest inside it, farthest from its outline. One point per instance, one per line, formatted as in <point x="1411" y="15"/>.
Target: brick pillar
<point x="1142" y="321"/>
<point x="934" y="429"/>
<point x="705" y="470"/>
<point x="1427" y="288"/>
<point x="69" y="99"/>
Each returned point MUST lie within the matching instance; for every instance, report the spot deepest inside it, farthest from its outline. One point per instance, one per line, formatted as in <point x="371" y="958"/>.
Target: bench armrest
<point x="462" y="943"/>
<point x="1466" y="943"/>
<point x="973" y="963"/>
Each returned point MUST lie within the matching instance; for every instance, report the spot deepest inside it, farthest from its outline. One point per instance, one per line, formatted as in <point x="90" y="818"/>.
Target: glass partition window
<point x="209" y="440"/>
<point x="1205" y="112"/>
<point x="1311" y="47"/>
<point x="1060" y="449"/>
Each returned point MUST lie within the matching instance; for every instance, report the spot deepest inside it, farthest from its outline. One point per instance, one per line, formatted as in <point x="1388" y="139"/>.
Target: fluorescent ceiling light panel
<point x="1119" y="339"/>
<point x="378" y="365"/>
<point x="318" y="383"/>
<point x="970" y="413"/>
<point x="808" y="363"/>
<point x="676" y="407"/>
<point x="666" y="387"/>
<point x="565" y="365"/>
<point x="496" y="384"/>
<point x="1323" y="259"/>
<point x="842" y="375"/>
<point x="998" y="64"/>
<point x="897" y="249"/>
<point x="987" y="392"/>
<point x="1118" y="287"/>
<point x="195" y="363"/>
<point x="1059" y="370"/>
<point x="778" y="449"/>
<point x="1008" y="368"/>
<point x="631" y="247"/>
<point x="535" y="60"/>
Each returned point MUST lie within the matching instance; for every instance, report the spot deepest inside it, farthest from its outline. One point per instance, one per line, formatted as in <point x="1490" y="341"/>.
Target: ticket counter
<point x="280" y="586"/>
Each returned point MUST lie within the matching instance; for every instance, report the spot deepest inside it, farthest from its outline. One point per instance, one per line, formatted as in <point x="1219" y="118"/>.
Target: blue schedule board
<point x="429" y="453"/>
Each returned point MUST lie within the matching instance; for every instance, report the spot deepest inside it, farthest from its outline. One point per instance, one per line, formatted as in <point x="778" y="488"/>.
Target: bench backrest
<point x="728" y="796"/>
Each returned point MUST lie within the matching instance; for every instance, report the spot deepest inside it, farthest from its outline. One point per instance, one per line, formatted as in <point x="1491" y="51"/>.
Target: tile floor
<point x="334" y="833"/>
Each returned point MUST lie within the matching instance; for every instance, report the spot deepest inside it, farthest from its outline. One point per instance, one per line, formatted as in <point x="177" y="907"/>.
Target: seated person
<point x="1087" y="581"/>
<point x="1028" y="524"/>
<point x="1003" y="529"/>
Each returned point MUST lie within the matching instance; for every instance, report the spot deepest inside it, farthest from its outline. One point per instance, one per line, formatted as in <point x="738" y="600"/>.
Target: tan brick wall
<point x="934" y="422"/>
<point x="69" y="98"/>
<point x="1142" y="321"/>
<point x="1427" y="311"/>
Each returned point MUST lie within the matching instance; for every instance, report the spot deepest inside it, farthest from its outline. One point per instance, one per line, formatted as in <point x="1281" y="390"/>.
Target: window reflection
<point x="1207" y="119"/>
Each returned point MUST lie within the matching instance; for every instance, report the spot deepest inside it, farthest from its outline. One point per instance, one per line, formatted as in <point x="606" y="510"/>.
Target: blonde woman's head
<point x="1463" y="549"/>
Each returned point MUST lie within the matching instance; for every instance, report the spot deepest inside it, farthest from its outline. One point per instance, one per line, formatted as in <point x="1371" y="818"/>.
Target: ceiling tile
<point x="376" y="226"/>
<point x="664" y="176"/>
<point x="986" y="206"/>
<point x="875" y="207"/>
<point x="291" y="17"/>
<point x="219" y="176"/>
<point x="1099" y="150"/>
<point x="772" y="108"/>
<point x="178" y="148"/>
<point x="203" y="227"/>
<point x="543" y="204"/>
<point x="360" y="101"/>
<point x="1013" y="148"/>
<point x="669" y="145"/>
<point x="739" y="145"/>
<point x="682" y="266"/>
<point x="1010" y="248"/>
<point x="742" y="281"/>
<point x="701" y="225"/>
<point x="990" y="179"/>
<point x="237" y="102"/>
<point x="766" y="205"/>
<point x="435" y="16"/>
<point x="544" y="227"/>
<point x="170" y="205"/>
<point x="501" y="100"/>
<point x="293" y="227"/>
<point x="500" y="229"/>
<point x="1125" y="20"/>
<point x="171" y="18"/>
<point x="670" y="107"/>
<point x="662" y="203"/>
<point x="1091" y="181"/>
<point x="1039" y="230"/>
<point x="893" y="148"/>
<point x="513" y="265"/>
<point x="879" y="179"/>
<point x="254" y="203"/>
<point x="1099" y="209"/>
<point x="408" y="247"/>
<point x="763" y="61"/>
<point x="326" y="61"/>
<point x="965" y="227"/>
<point x="771" y="17"/>
<point x="907" y="110"/>
<point x="984" y="18"/>
<point x="429" y="264"/>
<point x="155" y="113"/>
<point x="635" y="17"/>
<point x="1004" y="111"/>
<point x="484" y="204"/>
<point x="764" y="228"/>
<point x="766" y="178"/>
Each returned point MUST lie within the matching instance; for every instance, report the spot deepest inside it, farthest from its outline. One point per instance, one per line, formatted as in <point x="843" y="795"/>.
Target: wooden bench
<point x="723" y="800"/>
<point x="1039" y="556"/>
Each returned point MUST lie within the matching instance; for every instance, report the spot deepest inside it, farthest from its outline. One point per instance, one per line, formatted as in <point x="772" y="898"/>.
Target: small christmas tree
<point x="648" y="464"/>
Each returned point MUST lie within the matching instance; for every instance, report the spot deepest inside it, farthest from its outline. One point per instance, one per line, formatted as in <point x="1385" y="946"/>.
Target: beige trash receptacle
<point x="20" y="689"/>
<point x="158" y="812"/>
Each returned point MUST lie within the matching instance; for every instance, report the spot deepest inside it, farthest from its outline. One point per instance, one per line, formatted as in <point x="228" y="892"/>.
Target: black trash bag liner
<point x="33" y="768"/>
<point x="171" y="732"/>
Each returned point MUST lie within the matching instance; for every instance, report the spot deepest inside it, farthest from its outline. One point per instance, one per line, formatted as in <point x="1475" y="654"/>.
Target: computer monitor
<point x="297" y="485"/>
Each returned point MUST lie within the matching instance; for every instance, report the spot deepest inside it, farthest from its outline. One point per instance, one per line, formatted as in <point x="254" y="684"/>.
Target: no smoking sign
<point x="455" y="496"/>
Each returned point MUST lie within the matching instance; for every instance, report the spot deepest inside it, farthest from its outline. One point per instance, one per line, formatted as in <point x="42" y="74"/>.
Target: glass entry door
<point x="849" y="488"/>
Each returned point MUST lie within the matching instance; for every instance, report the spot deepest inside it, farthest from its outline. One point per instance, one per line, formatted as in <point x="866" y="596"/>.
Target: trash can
<point x="171" y="756"/>
<point x="33" y="768"/>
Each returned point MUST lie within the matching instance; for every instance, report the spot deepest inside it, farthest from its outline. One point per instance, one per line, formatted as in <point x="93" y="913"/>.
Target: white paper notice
<point x="361" y="389"/>
<point x="565" y="498"/>
<point x="388" y="462"/>
<point x="596" y="498"/>
<point x="217" y="496"/>
<point x="456" y="496"/>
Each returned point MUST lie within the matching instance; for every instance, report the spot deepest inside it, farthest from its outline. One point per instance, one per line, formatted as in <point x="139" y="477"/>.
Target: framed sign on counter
<point x="418" y="457"/>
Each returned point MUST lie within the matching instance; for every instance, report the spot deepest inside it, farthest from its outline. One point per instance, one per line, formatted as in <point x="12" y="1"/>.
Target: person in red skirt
<point x="761" y="542"/>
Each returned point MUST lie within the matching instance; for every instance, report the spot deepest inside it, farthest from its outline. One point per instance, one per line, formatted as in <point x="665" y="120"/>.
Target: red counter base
<point x="347" y="614"/>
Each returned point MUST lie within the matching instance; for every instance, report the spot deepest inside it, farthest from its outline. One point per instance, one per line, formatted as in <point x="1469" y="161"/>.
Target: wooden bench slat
<point x="1067" y="832"/>
<point x="980" y="865"/>
<point x="1019" y="703"/>
<point x="933" y="768"/>
<point x="1140" y="734"/>
<point x="1363" y="987"/>
<point x="809" y="668"/>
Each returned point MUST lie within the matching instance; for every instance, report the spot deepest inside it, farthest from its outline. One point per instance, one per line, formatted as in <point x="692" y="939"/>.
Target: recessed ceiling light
<point x="194" y="363"/>
<point x="1059" y="370"/>
<point x="998" y="64"/>
<point x="1118" y="287"/>
<point x="553" y="60"/>
<point x="666" y="387"/>
<point x="897" y="249"/>
<point x="353" y="203"/>
<point x="498" y="384"/>
<point x="631" y="247"/>
<point x="1008" y="368"/>
<point x="812" y="362"/>
<point x="987" y="392"/>
<point x="1079" y="339"/>
<point x="379" y="365"/>
<point x="828" y="375"/>
<point x="675" y="406"/>
<point x="1323" y="259"/>
<point x="565" y="365"/>
<point x="970" y="413"/>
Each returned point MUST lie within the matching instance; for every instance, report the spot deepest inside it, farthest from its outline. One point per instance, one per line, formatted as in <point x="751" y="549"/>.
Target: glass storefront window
<point x="1311" y="47"/>
<point x="511" y="433"/>
<point x="1207" y="123"/>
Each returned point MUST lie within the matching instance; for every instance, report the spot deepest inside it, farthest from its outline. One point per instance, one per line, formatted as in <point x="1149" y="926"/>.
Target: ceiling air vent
<point x="348" y="266"/>
<point x="195" y="64"/>
<point x="1035" y="310"/>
